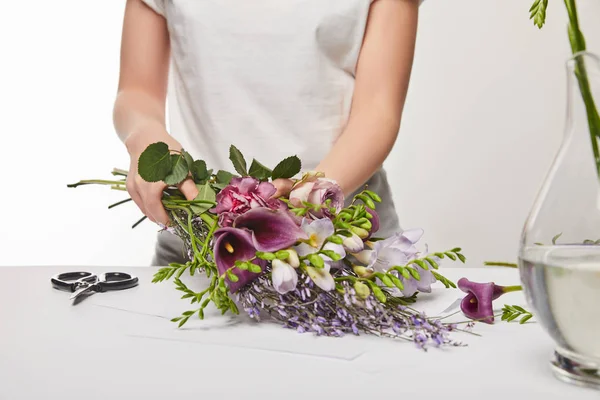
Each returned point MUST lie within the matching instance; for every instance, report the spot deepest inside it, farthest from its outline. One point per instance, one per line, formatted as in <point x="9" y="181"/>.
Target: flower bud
<point x="293" y="259"/>
<point x="363" y="272"/>
<point x="362" y="290"/>
<point x="353" y="244"/>
<point x="360" y="232"/>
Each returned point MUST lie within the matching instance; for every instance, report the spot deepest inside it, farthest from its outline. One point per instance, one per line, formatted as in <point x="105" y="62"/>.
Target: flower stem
<point x="508" y="289"/>
<point x="578" y="45"/>
<point x="500" y="264"/>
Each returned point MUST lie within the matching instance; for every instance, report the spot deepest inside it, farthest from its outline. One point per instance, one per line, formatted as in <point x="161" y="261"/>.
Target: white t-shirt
<point x="273" y="77"/>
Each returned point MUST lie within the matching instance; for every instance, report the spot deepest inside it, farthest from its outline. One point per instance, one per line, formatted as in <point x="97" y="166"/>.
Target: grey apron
<point x="169" y="248"/>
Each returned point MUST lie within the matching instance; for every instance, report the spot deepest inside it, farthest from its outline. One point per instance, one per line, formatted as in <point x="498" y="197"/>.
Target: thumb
<point x="189" y="189"/>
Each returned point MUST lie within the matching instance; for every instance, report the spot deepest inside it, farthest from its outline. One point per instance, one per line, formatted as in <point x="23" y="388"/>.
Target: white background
<point x="483" y="121"/>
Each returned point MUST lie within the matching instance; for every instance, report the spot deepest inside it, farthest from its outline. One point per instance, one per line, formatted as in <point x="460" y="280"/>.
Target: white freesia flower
<point x="321" y="277"/>
<point x="318" y="231"/>
<point x="284" y="276"/>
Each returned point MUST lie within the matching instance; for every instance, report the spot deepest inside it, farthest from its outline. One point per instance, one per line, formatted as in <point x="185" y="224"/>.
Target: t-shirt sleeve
<point x="157" y="5"/>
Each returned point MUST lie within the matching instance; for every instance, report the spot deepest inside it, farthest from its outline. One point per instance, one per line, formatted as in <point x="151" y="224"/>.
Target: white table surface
<point x="121" y="345"/>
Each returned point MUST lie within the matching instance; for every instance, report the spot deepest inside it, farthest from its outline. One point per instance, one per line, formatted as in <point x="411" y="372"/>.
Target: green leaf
<point x="287" y="168"/>
<point x="519" y="308"/>
<point x="537" y="12"/>
<point x="237" y="158"/>
<point x="461" y="257"/>
<point x="179" y="170"/>
<point x="206" y="193"/>
<point x="421" y="264"/>
<point x="154" y="163"/>
<point x="224" y="177"/>
<point x="259" y="171"/>
<point x="199" y="171"/>
<point x="183" y="321"/>
<point x="404" y="272"/>
<point x="188" y="158"/>
<point x="243" y="266"/>
<point x="282" y="254"/>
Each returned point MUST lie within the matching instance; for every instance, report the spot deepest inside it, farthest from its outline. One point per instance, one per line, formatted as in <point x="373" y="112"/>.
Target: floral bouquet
<point x="305" y="259"/>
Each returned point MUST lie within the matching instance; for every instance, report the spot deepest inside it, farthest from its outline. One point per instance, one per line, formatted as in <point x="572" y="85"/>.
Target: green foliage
<point x="199" y="171"/>
<point x="259" y="171"/>
<point x="287" y="168"/>
<point x="511" y="313"/>
<point x="445" y="281"/>
<point x="238" y="161"/>
<point x="179" y="170"/>
<point x="537" y="12"/>
<point x="155" y="162"/>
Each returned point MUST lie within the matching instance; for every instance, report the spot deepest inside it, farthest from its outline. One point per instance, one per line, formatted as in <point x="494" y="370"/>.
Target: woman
<point x="323" y="79"/>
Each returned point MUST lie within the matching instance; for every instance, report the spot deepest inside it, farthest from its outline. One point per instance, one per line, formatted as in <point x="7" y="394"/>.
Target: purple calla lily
<point x="233" y="245"/>
<point x="272" y="230"/>
<point x="477" y="304"/>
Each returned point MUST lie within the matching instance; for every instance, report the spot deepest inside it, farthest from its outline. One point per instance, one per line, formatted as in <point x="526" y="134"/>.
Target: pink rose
<point x="243" y="194"/>
<point x="316" y="191"/>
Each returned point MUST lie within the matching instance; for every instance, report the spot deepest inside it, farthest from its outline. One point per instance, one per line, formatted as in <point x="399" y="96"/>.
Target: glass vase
<point x="559" y="256"/>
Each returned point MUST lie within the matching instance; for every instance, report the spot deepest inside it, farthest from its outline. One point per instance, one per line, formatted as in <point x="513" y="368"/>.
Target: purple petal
<point x="266" y="190"/>
<point x="245" y="185"/>
<point x="477" y="304"/>
<point x="233" y="245"/>
<point x="374" y="221"/>
<point x="272" y="230"/>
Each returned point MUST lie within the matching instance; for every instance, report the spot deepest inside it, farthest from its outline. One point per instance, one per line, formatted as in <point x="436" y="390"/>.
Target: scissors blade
<point x="85" y="289"/>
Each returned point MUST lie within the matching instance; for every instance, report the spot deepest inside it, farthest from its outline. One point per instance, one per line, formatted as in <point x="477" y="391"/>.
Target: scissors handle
<point x="72" y="281"/>
<point x="115" y="281"/>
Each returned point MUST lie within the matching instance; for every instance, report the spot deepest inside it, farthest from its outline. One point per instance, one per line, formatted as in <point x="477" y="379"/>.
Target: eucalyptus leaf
<point x="154" y="163"/>
<point x="238" y="161"/>
<point x="287" y="168"/>
<point x="179" y="170"/>
<point x="259" y="171"/>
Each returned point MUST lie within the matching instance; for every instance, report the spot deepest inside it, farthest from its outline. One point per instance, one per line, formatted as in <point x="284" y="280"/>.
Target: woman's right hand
<point x="148" y="195"/>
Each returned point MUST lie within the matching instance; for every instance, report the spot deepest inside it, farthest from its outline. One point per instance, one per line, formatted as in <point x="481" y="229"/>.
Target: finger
<point x="189" y="189"/>
<point x="135" y="196"/>
<point x="154" y="206"/>
<point x="283" y="186"/>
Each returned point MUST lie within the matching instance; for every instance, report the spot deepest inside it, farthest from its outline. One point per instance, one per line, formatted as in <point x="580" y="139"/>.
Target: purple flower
<point x="233" y="245"/>
<point x="317" y="190"/>
<point x="477" y="304"/>
<point x="272" y="230"/>
<point x="243" y="194"/>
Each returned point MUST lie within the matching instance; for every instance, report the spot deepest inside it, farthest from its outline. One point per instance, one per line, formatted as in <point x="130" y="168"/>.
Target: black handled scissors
<point x="85" y="283"/>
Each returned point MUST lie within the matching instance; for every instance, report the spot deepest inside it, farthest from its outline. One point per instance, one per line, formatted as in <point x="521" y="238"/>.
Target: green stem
<point x="578" y="45"/>
<point x="96" y="182"/>
<point x="508" y="289"/>
<point x="500" y="264"/>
